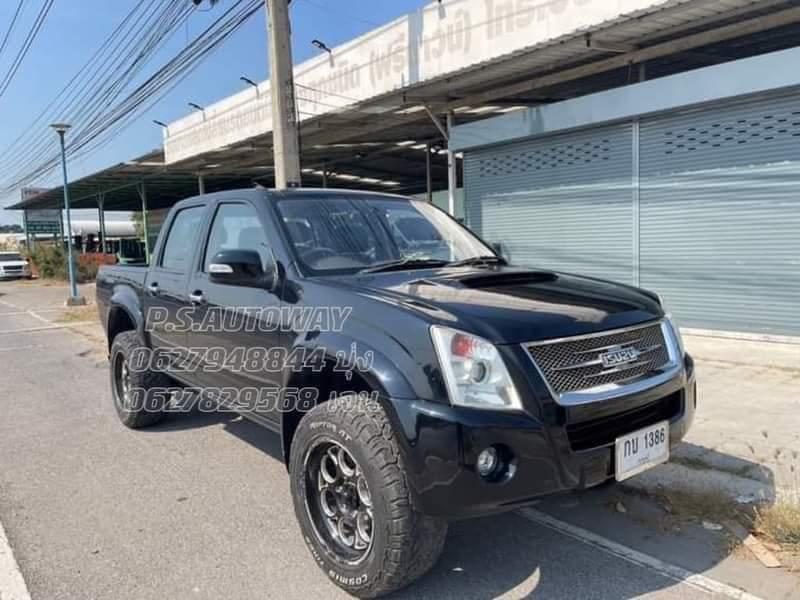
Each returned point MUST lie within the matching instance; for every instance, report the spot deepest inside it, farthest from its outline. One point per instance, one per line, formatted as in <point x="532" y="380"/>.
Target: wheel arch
<point x="381" y="378"/>
<point x="121" y="318"/>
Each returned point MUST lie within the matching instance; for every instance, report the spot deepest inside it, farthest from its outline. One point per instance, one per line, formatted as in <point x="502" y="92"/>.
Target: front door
<point x="236" y="334"/>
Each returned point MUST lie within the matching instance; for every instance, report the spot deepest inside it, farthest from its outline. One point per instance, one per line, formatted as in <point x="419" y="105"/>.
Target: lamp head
<point x="61" y="127"/>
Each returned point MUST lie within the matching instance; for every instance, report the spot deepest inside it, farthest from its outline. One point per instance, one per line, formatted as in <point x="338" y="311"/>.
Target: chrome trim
<point x="610" y="391"/>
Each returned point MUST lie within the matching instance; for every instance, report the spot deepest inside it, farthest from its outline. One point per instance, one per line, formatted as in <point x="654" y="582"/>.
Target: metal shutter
<point x="562" y="202"/>
<point x="720" y="214"/>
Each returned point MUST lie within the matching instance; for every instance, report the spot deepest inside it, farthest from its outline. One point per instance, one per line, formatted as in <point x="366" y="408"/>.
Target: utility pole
<point x="285" y="137"/>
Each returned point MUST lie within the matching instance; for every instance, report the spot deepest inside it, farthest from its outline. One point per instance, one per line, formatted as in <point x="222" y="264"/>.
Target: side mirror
<point x="241" y="267"/>
<point x="498" y="248"/>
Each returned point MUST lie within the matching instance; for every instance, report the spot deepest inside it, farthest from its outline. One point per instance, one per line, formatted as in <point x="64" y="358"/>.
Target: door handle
<point x="197" y="297"/>
<point x="153" y="289"/>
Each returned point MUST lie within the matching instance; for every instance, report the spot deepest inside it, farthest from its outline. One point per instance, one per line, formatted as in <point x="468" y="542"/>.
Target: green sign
<point x="44" y="227"/>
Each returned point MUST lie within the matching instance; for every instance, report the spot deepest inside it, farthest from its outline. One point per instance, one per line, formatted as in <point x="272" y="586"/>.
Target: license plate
<point x="642" y="450"/>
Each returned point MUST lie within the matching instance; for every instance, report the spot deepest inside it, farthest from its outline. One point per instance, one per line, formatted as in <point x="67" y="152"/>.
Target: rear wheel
<point x="353" y="504"/>
<point x="139" y="393"/>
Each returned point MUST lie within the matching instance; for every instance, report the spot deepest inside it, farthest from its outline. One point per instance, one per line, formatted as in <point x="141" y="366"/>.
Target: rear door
<point x="165" y="294"/>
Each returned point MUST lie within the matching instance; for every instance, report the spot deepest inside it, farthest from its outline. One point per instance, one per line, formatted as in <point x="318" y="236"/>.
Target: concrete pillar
<point x="143" y="196"/>
<point x="102" y="221"/>
<point x="452" y="180"/>
<point x="201" y="184"/>
<point x="27" y="233"/>
<point x="428" y="177"/>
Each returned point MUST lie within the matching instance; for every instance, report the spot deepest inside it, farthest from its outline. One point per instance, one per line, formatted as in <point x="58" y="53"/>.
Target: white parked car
<point x="13" y="266"/>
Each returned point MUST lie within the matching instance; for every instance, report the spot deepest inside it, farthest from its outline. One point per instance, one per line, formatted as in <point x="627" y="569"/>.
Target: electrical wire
<point x="102" y="79"/>
<point x="26" y="45"/>
<point x="338" y="12"/>
<point x="108" y="123"/>
<point x="10" y="29"/>
<point x="84" y="86"/>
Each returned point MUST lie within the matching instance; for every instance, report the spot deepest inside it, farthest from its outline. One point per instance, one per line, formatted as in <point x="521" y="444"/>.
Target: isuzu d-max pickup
<point x="413" y="374"/>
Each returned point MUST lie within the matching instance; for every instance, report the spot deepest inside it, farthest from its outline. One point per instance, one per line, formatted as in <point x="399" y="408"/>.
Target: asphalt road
<point x="199" y="506"/>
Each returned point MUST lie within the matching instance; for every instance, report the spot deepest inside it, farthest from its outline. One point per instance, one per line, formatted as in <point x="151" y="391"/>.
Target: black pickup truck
<point x="414" y="376"/>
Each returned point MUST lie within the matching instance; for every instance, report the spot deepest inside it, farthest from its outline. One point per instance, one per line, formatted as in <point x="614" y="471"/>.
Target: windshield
<point x="348" y="235"/>
<point x="9" y="256"/>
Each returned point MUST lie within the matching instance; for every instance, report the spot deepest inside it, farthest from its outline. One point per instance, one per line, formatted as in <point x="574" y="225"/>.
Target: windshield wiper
<point x="405" y="263"/>
<point x="479" y="260"/>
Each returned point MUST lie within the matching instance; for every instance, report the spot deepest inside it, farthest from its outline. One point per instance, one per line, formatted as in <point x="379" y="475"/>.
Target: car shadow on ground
<point x="254" y="434"/>
<point x="508" y="555"/>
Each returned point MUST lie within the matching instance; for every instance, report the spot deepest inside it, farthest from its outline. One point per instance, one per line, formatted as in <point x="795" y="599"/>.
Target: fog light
<point x="487" y="463"/>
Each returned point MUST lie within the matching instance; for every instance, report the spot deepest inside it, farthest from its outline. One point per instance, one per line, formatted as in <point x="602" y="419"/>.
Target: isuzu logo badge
<point x="619" y="356"/>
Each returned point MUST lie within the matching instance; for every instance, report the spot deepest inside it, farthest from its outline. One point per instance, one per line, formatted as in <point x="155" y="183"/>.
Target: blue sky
<point x="75" y="29"/>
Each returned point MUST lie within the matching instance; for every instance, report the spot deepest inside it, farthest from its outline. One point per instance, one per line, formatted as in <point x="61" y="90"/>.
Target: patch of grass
<point x="780" y="523"/>
<point x="77" y="314"/>
<point x="707" y="505"/>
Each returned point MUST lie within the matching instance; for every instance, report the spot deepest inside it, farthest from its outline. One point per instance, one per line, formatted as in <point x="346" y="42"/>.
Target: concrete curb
<point x="677" y="477"/>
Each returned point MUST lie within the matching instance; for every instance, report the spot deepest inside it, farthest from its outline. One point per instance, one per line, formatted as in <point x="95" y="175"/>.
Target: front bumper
<point x="15" y="274"/>
<point x="558" y="452"/>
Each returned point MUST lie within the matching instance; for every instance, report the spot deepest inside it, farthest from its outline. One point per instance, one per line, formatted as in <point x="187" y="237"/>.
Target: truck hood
<point x="509" y="304"/>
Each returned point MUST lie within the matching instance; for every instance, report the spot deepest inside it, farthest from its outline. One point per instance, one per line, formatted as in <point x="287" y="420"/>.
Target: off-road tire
<point x="406" y="543"/>
<point x="148" y="410"/>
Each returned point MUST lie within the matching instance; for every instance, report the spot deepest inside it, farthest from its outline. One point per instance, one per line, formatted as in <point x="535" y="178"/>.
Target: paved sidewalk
<point x="745" y="441"/>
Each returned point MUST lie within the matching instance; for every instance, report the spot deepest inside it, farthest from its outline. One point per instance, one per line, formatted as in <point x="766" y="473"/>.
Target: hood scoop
<point x="502" y="278"/>
<point x="491" y="279"/>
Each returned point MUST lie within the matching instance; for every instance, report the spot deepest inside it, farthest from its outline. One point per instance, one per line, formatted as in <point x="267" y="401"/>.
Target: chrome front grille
<point x="595" y="361"/>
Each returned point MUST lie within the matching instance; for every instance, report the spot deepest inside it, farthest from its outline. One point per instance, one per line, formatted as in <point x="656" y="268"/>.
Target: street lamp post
<point x="74" y="299"/>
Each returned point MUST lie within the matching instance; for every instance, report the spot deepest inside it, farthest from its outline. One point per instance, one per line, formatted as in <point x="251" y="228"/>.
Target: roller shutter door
<point x="562" y="202"/>
<point x="720" y="214"/>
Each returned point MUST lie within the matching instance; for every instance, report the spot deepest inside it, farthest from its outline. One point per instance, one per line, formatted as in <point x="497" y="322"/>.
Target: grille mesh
<point x="573" y="365"/>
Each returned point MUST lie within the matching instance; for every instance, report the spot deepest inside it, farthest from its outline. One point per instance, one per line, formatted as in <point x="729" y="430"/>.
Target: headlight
<point x="474" y="371"/>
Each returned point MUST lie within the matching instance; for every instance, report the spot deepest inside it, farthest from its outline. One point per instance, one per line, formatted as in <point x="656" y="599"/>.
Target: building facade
<point x="688" y="185"/>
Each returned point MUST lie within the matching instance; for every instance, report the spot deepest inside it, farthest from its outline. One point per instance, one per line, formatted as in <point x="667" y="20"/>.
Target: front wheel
<point x="352" y="500"/>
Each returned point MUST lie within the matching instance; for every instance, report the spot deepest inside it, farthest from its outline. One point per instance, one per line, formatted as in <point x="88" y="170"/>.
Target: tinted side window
<point x="183" y="235"/>
<point x="236" y="227"/>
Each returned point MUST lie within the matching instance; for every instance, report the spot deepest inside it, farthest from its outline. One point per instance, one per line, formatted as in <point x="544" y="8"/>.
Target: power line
<point x="7" y="36"/>
<point x="106" y="124"/>
<point x="339" y="12"/>
<point x="106" y="74"/>
<point x="26" y="45"/>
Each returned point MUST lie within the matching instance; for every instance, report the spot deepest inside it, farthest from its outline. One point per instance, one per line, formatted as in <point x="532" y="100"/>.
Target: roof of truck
<point x="272" y="194"/>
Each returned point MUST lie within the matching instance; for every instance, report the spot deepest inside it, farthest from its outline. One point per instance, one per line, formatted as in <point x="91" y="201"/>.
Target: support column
<point x="428" y="178"/>
<point x="452" y="180"/>
<point x="201" y="184"/>
<point x="325" y="176"/>
<point x="102" y="221"/>
<point x="143" y="196"/>
<point x="27" y="233"/>
<point x="637" y="221"/>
